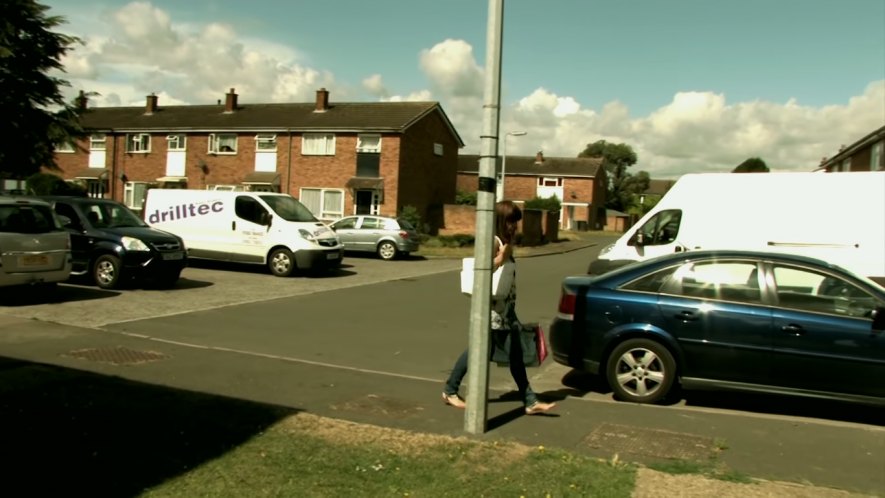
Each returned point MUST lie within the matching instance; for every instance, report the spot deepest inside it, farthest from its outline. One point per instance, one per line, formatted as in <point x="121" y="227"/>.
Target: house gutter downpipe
<point x="476" y="413"/>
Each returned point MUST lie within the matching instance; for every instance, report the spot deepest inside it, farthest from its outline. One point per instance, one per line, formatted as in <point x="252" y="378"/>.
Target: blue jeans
<point x="517" y="371"/>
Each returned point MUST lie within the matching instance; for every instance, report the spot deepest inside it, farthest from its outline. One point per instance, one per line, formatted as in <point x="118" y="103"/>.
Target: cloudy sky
<point x="691" y="85"/>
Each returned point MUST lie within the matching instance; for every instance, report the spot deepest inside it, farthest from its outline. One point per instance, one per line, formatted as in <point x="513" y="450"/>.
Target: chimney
<point x="81" y="101"/>
<point x="539" y="157"/>
<point x="151" y="106"/>
<point x="230" y="103"/>
<point x="322" y="100"/>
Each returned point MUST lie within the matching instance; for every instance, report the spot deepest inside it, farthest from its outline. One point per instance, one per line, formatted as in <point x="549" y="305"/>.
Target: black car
<point x="112" y="245"/>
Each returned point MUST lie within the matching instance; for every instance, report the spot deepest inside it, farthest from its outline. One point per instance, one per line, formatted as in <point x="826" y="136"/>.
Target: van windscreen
<point x="288" y="208"/>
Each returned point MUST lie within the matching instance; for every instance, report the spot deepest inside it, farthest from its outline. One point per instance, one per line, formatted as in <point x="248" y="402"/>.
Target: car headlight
<point x="133" y="244"/>
<point x="307" y="235"/>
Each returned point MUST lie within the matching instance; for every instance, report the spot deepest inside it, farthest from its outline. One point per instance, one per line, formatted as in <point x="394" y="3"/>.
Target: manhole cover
<point x="117" y="356"/>
<point x="623" y="439"/>
<point x="380" y="405"/>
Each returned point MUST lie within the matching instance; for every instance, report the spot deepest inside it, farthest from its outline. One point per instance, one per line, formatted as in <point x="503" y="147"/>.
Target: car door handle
<point x="793" y="329"/>
<point x="686" y="316"/>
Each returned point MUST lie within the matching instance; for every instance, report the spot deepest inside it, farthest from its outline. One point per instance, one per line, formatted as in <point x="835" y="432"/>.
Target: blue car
<point x="750" y="321"/>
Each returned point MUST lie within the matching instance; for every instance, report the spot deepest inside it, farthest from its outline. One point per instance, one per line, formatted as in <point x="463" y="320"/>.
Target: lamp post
<point x="500" y="190"/>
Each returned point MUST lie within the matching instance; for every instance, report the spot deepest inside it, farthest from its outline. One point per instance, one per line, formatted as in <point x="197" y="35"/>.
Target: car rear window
<point x="26" y="218"/>
<point x="405" y="225"/>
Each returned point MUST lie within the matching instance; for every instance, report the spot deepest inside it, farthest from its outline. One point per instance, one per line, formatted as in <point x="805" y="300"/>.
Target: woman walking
<point x="503" y="319"/>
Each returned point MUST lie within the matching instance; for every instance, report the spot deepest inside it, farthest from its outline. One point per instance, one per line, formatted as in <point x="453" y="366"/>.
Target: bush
<point x="551" y="203"/>
<point x="465" y="198"/>
<point x="410" y="214"/>
<point x="49" y="184"/>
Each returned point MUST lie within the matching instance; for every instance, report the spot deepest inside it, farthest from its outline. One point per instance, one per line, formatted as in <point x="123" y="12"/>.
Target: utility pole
<point x="475" y="415"/>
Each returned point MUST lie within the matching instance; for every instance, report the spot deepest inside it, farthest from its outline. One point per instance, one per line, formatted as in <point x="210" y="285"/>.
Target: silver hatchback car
<point x="34" y="248"/>
<point x="388" y="237"/>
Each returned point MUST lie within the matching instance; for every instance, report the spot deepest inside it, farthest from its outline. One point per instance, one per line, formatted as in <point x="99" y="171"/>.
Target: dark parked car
<point x="112" y="245"/>
<point x="752" y="321"/>
<point x="386" y="236"/>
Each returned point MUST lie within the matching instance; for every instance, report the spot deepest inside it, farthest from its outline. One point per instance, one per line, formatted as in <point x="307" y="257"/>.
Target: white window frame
<point x="266" y="142"/>
<point x="318" y="144"/>
<point x="876" y="156"/>
<point x="98" y="141"/>
<point x="437" y="149"/>
<point x="215" y="143"/>
<point x="130" y="192"/>
<point x="176" y="142"/>
<point x="326" y="212"/>
<point x="542" y="181"/>
<point x="138" y="143"/>
<point x="368" y="142"/>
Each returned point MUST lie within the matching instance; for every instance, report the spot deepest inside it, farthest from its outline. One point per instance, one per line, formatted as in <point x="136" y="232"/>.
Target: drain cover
<point x="651" y="442"/>
<point x="117" y="356"/>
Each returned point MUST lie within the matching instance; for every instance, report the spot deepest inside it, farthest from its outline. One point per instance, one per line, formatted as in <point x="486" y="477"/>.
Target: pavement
<point x="843" y="455"/>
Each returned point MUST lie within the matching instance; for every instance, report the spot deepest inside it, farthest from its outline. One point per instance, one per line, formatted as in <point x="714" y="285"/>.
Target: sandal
<point x="453" y="400"/>
<point x="539" y="407"/>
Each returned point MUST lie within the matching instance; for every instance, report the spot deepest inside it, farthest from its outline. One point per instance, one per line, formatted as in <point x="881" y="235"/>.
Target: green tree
<point x="33" y="113"/>
<point x="751" y="165"/>
<point x="621" y="184"/>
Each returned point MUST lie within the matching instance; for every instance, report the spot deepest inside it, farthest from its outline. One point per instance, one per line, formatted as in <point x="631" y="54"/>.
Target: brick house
<point x="579" y="183"/>
<point x="337" y="158"/>
<point x="867" y="154"/>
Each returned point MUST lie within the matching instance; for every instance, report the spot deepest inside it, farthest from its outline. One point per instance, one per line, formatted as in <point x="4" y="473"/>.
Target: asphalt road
<point x="373" y="343"/>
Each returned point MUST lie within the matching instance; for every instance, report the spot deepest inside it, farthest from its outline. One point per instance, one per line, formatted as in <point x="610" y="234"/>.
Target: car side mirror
<point x="638" y="239"/>
<point x="265" y="218"/>
<point x="879" y="318"/>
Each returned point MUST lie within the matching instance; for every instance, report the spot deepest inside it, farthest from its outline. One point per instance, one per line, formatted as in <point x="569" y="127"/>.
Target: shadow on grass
<point x="66" y="432"/>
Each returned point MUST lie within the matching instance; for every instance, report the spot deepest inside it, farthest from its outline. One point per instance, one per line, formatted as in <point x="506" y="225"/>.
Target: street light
<point x="500" y="190"/>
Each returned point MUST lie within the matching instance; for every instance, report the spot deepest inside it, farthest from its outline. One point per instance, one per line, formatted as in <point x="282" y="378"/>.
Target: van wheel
<point x="281" y="262"/>
<point x="106" y="271"/>
<point x="387" y="250"/>
<point x="641" y="371"/>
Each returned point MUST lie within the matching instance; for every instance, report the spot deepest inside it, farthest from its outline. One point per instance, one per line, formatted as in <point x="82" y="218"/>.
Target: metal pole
<point x="475" y="414"/>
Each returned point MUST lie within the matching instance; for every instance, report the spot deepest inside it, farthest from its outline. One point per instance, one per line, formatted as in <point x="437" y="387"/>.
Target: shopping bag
<point x="502" y="278"/>
<point x="531" y="344"/>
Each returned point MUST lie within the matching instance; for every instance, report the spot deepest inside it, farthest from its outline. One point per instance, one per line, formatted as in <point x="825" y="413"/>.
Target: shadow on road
<point x="67" y="432"/>
<point x="581" y="383"/>
<point x="28" y="296"/>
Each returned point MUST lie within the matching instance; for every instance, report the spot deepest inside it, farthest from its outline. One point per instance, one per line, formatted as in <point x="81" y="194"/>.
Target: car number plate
<point x="34" y="260"/>
<point x="332" y="255"/>
<point x="173" y="255"/>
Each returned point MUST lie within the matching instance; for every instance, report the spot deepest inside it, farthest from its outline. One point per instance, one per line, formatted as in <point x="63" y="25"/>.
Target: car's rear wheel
<point x="387" y="250"/>
<point x="641" y="371"/>
<point x="281" y="262"/>
<point x="106" y="271"/>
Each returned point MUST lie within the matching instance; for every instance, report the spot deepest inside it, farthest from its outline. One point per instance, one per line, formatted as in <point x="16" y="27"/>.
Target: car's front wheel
<point x="387" y="250"/>
<point x="641" y="371"/>
<point x="106" y="271"/>
<point x="281" y="262"/>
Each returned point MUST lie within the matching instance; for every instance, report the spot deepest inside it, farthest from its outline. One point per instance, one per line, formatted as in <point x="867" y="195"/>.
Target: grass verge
<point x="305" y="455"/>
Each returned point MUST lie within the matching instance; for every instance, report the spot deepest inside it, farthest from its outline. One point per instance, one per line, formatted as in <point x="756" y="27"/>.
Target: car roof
<point x="22" y="200"/>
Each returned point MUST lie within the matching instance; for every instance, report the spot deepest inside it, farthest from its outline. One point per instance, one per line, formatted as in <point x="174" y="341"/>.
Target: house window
<point x="318" y="144"/>
<point x="97" y="141"/>
<point x="266" y="142"/>
<point x="549" y="182"/>
<point x="876" y="157"/>
<point x="222" y="143"/>
<point x="66" y="147"/>
<point x="437" y="149"/>
<point x="176" y="142"/>
<point x="368" y="143"/>
<point x="133" y="194"/>
<point x="325" y="204"/>
<point x="846" y="165"/>
<point x="138" y="142"/>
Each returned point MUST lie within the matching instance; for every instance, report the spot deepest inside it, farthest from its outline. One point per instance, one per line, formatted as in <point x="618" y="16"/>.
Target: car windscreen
<point x="26" y="218"/>
<point x="288" y="208"/>
<point x="110" y="215"/>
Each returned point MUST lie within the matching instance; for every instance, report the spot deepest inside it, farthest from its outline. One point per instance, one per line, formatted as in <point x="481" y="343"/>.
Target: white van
<point x="248" y="227"/>
<point x="835" y="217"/>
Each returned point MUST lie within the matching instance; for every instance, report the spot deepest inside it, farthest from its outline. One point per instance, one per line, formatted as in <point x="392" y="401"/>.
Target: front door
<point x="366" y="202"/>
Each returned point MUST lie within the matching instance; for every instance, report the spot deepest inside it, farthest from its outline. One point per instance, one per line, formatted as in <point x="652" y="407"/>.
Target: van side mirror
<point x="265" y="218"/>
<point x="638" y="239"/>
<point x="879" y="318"/>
